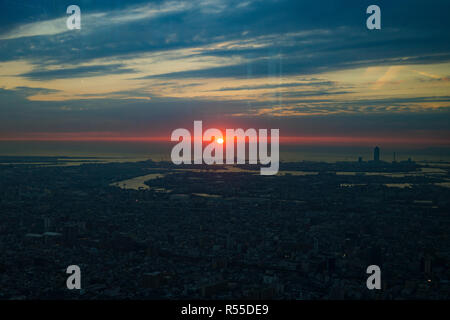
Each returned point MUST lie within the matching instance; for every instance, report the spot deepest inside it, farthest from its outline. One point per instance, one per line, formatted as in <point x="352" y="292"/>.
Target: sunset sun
<point x="220" y="141"/>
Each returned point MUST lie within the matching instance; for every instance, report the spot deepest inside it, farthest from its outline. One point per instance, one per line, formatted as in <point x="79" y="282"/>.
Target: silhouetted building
<point x="376" y="154"/>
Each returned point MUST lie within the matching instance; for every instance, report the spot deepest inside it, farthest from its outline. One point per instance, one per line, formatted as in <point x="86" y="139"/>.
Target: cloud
<point x="388" y="76"/>
<point x="279" y="85"/>
<point x="95" y="20"/>
<point x="41" y="28"/>
<point x="78" y="72"/>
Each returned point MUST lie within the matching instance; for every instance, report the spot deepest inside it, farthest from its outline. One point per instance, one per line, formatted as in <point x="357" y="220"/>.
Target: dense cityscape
<point x="153" y="230"/>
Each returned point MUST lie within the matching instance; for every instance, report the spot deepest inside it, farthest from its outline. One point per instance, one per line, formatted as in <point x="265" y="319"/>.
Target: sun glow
<point x="220" y="141"/>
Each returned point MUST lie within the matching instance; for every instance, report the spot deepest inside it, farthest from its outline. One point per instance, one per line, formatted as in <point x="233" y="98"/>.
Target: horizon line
<point x="286" y="140"/>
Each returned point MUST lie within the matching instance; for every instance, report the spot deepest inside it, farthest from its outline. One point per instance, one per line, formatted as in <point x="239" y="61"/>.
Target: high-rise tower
<point x="376" y="154"/>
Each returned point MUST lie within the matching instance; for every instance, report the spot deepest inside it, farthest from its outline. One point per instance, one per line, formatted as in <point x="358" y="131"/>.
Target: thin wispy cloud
<point x="91" y="21"/>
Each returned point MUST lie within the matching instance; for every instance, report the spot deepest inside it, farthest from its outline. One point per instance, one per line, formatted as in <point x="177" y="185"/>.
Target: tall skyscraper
<point x="376" y="154"/>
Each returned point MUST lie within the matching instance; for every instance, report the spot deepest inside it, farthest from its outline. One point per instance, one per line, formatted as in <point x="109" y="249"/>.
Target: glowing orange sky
<point x="287" y="140"/>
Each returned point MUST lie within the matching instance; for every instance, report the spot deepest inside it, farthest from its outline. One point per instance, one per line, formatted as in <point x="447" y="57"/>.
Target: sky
<point x="137" y="70"/>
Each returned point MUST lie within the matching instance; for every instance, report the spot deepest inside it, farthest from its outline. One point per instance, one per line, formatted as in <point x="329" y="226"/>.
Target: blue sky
<point x="144" y="68"/>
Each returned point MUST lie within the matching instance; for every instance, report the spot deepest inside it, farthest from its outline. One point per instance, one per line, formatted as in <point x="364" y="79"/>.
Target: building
<point x="376" y="154"/>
